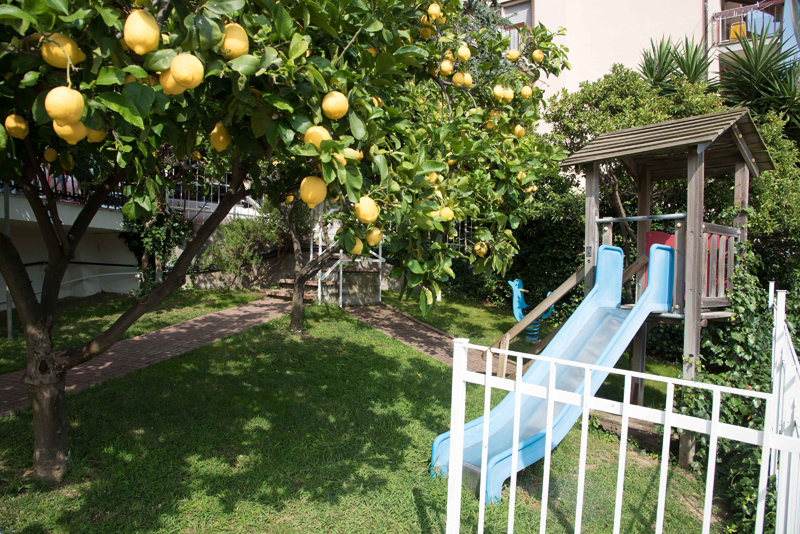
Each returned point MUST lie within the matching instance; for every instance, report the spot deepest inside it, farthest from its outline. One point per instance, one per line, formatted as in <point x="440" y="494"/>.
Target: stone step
<point x="287" y="294"/>
<point x="309" y="283"/>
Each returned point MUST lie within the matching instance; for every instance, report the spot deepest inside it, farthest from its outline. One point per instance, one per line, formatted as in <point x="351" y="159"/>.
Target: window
<point x="518" y="14"/>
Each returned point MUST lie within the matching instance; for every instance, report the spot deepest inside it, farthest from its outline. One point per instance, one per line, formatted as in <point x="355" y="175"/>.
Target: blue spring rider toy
<point x="521" y="309"/>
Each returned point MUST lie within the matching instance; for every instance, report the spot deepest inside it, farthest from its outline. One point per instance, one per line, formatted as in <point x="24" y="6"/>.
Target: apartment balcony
<point x="731" y="25"/>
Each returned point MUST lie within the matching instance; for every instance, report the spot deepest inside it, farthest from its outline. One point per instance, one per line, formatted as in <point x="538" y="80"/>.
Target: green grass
<point x="269" y="431"/>
<point x="484" y="324"/>
<point x="80" y="319"/>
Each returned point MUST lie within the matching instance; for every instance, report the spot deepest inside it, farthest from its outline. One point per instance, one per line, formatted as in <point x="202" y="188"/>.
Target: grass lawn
<point x="268" y="431"/>
<point x="80" y="319"/>
<point x="484" y="324"/>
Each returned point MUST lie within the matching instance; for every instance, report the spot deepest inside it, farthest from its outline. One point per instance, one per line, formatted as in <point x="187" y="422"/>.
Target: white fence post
<point x="457" y="408"/>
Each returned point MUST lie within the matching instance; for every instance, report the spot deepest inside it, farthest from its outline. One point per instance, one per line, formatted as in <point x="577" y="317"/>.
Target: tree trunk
<point x="296" y="323"/>
<point x="50" y="446"/>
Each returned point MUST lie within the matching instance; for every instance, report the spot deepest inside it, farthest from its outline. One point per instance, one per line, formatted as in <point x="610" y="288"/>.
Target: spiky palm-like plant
<point x="658" y="64"/>
<point x="692" y="60"/>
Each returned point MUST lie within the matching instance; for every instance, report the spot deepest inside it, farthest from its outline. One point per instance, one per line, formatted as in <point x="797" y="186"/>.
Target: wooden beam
<point x="741" y="198"/>
<point x="503" y="361"/>
<point x="645" y="197"/>
<point x="591" y="231"/>
<point x="695" y="251"/>
<point x="630" y="165"/>
<point x="745" y="150"/>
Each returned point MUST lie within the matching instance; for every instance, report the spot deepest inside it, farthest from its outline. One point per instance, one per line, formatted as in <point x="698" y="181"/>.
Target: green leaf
<point x="259" y="122"/>
<point x="434" y="166"/>
<point x="123" y="106"/>
<point x="62" y="6"/>
<point x="297" y="47"/>
<point x="425" y="301"/>
<point x="141" y="95"/>
<point x="353" y="183"/>
<point x="30" y="78"/>
<point x="39" y="113"/>
<point x="379" y="161"/>
<point x="268" y="58"/>
<point x="315" y="76"/>
<point x="3" y="138"/>
<point x="414" y="267"/>
<point x="374" y="27"/>
<point x="224" y="7"/>
<point x="247" y="64"/>
<point x="13" y="13"/>
<point x="136" y="70"/>
<point x="208" y="31"/>
<point x="300" y="122"/>
<point x="129" y="209"/>
<point x="411" y="50"/>
<point x="78" y="15"/>
<point x="159" y="60"/>
<point x="110" y="17"/>
<point x="357" y="127"/>
<point x="111" y="76"/>
<point x="284" y="24"/>
<point x="279" y="103"/>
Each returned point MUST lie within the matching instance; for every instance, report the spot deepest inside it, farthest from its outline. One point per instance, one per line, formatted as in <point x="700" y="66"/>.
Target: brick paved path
<point x="421" y="336"/>
<point x="159" y="345"/>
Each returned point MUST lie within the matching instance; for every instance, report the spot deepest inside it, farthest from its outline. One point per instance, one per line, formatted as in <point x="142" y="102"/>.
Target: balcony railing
<point x="739" y="23"/>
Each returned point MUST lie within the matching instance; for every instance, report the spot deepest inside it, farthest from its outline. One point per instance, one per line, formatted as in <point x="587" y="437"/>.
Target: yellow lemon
<point x="187" y="70"/>
<point x="64" y="105"/>
<point x="53" y="52"/>
<point x="521" y="175"/>
<point x="431" y="178"/>
<point x="481" y="249"/>
<point x="495" y="114"/>
<point x="538" y="56"/>
<point x="16" y="126"/>
<point x="289" y="199"/>
<point x="498" y="92"/>
<point x="448" y="55"/>
<point x="426" y="33"/>
<point x="508" y="95"/>
<point x="434" y="11"/>
<point x="512" y="55"/>
<point x="424" y="20"/>
<point x="446" y="67"/>
<point x="366" y="210"/>
<point x="451" y="162"/>
<point x="96" y="136"/>
<point x="467" y="80"/>
<point x="313" y="190"/>
<point x="316" y="135"/>
<point x="526" y="92"/>
<point x="374" y="236"/>
<point x="519" y="131"/>
<point x="441" y="19"/>
<point x="360" y="155"/>
<point x="446" y="213"/>
<point x="151" y="80"/>
<point x="458" y="79"/>
<point x="464" y="53"/>
<point x="339" y="157"/>
<point x="235" y="43"/>
<point x="71" y="133"/>
<point x="489" y="125"/>
<point x="377" y="101"/>
<point x="372" y="50"/>
<point x="351" y="153"/>
<point x="357" y="248"/>
<point x="168" y="83"/>
<point x="219" y="137"/>
<point x="335" y="105"/>
<point x="433" y="214"/>
<point x="50" y="154"/>
<point x="141" y="32"/>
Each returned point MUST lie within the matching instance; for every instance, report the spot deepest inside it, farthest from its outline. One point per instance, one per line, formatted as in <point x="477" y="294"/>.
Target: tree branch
<point x="31" y="193"/>
<point x="19" y="283"/>
<point x="446" y="96"/>
<point x="311" y="268"/>
<point x="163" y="11"/>
<point x="52" y="201"/>
<point x="83" y="353"/>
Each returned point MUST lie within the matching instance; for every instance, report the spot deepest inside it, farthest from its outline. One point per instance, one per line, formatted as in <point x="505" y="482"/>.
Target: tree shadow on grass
<point x="261" y="419"/>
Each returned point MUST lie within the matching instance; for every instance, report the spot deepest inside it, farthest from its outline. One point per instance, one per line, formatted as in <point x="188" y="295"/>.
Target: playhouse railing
<point x="764" y="437"/>
<point x="718" y="264"/>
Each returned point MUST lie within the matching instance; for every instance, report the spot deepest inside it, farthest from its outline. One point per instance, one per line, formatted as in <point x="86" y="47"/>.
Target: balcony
<point x="731" y="25"/>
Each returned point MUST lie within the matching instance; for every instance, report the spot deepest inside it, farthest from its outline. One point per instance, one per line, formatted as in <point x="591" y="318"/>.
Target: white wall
<point x="601" y="33"/>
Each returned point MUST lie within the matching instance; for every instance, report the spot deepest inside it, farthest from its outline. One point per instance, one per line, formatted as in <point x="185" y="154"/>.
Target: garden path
<point x="419" y="335"/>
<point x="141" y="351"/>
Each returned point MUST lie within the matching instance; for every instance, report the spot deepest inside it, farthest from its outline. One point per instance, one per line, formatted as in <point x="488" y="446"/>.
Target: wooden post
<point x="591" y="232"/>
<point x="608" y="234"/>
<point x="741" y="194"/>
<point x="502" y="360"/>
<point x="695" y="251"/>
<point x="639" y="344"/>
<point x="679" y="292"/>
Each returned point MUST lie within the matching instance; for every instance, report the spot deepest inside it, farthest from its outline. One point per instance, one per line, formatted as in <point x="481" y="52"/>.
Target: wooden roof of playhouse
<point x="664" y="147"/>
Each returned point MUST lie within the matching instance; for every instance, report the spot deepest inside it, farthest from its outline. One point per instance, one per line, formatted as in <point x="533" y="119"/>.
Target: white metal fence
<point x="779" y="435"/>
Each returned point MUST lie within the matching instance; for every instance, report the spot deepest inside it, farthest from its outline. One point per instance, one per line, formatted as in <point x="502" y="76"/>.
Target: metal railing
<point x="766" y="437"/>
<point x="735" y="24"/>
<point x="68" y="189"/>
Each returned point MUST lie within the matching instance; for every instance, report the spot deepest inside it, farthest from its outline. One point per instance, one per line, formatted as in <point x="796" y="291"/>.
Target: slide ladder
<point x="597" y="333"/>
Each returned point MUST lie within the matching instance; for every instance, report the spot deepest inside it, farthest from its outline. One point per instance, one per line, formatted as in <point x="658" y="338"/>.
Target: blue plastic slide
<point x="597" y="333"/>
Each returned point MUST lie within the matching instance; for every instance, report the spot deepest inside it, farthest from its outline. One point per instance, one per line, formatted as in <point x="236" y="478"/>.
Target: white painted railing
<point x="786" y="388"/>
<point x="713" y="427"/>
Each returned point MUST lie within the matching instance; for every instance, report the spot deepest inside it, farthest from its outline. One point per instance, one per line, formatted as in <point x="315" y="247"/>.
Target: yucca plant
<point x="692" y="60"/>
<point x="658" y="64"/>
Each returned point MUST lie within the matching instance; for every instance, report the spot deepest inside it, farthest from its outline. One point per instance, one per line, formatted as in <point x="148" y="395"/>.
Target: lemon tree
<point x="339" y="96"/>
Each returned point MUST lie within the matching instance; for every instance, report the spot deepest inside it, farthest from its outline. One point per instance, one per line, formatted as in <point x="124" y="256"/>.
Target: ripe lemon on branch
<point x="71" y="133"/>
<point x="220" y="138"/>
<point x="168" y="83"/>
<point x="316" y="135"/>
<point x="335" y="105"/>
<point x="187" y="70"/>
<point x="357" y="248"/>
<point x="464" y="53"/>
<point x="50" y="155"/>
<point x="141" y="32"/>
<point x="235" y="43"/>
<point x="366" y="210"/>
<point x="526" y="92"/>
<point x="96" y="136"/>
<point x="54" y="47"/>
<point x="64" y="105"/>
<point x="313" y="190"/>
<point x="16" y="126"/>
<point x="374" y="236"/>
<point x="481" y="249"/>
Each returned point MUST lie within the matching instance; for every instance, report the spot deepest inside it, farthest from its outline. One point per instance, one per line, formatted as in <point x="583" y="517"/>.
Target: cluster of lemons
<point x="314" y="190"/>
<point x="141" y="34"/>
<point x="434" y="15"/>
